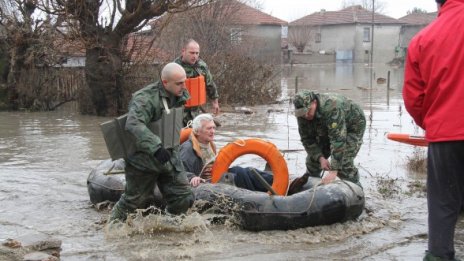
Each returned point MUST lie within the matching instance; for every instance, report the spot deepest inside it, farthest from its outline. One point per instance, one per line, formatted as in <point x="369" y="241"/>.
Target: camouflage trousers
<point x="348" y="170"/>
<point x="140" y="187"/>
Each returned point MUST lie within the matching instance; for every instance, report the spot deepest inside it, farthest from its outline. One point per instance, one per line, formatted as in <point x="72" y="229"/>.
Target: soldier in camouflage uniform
<point x="153" y="164"/>
<point x="330" y="125"/>
<point x="194" y="66"/>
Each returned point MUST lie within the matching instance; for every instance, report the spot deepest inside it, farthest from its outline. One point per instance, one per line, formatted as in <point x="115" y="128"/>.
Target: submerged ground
<point x="45" y="159"/>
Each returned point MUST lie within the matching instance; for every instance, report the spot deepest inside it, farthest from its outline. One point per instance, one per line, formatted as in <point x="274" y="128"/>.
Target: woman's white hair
<point x="197" y="122"/>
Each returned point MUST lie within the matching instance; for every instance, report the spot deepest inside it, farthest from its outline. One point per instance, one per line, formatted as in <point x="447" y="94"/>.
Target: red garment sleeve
<point x="414" y="85"/>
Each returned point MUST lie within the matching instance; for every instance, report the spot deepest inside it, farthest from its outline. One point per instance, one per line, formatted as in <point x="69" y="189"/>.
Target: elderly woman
<point x="198" y="154"/>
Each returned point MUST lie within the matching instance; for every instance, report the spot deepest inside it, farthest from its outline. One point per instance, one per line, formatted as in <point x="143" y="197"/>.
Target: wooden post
<point x="296" y="84"/>
<point x="388" y="88"/>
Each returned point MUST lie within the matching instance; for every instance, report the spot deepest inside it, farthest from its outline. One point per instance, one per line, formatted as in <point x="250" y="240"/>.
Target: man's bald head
<point x="171" y="69"/>
<point x="173" y="77"/>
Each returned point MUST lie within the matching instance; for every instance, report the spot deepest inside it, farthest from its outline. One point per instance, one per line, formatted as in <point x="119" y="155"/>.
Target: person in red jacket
<point x="433" y="94"/>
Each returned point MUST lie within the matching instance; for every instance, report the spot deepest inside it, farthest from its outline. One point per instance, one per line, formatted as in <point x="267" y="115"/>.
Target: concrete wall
<point x="335" y="38"/>
<point x="347" y="41"/>
<point x="74" y="61"/>
<point x="386" y="39"/>
<point x="266" y="41"/>
<point x="406" y="34"/>
<point x="308" y="58"/>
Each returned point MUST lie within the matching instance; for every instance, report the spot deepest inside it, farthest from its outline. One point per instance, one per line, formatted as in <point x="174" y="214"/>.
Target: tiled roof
<point x="350" y="15"/>
<point x="69" y="47"/>
<point x="141" y="47"/>
<point x="238" y="13"/>
<point x="418" y="18"/>
<point x="247" y="15"/>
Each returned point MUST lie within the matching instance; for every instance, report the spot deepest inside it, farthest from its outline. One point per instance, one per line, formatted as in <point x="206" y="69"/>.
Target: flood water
<point x="45" y="159"/>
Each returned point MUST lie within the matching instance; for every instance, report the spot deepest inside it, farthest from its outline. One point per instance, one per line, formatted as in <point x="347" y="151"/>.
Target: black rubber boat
<point x="315" y="205"/>
<point x="106" y="182"/>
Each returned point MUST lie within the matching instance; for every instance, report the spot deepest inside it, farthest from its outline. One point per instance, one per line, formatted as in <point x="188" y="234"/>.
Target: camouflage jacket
<point x="335" y="116"/>
<point x="194" y="70"/>
<point x="146" y="106"/>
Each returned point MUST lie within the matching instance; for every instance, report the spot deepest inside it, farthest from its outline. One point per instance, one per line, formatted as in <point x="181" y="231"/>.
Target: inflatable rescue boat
<point x="316" y="205"/>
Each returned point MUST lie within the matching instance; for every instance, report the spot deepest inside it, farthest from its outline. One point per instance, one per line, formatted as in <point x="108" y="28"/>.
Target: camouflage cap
<point x="302" y="102"/>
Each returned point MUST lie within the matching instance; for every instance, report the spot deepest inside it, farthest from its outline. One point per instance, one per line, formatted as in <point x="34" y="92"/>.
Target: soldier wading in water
<point x="155" y="161"/>
<point x="330" y="125"/>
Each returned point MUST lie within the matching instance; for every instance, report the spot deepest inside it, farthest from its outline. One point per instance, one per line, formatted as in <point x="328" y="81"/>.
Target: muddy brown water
<point x="45" y="159"/>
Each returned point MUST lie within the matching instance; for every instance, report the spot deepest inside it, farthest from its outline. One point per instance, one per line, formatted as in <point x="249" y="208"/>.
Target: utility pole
<point x="371" y="116"/>
<point x="372" y="40"/>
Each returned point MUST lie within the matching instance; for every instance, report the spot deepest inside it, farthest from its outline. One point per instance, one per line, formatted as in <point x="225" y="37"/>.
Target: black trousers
<point x="245" y="179"/>
<point x="445" y="195"/>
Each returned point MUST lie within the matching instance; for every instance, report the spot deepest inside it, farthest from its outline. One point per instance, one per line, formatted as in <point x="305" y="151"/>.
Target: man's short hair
<point x="197" y="122"/>
<point x="190" y="40"/>
<point x="442" y="2"/>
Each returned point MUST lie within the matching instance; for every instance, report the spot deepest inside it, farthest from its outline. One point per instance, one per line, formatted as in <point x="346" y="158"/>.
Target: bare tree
<point x="229" y="49"/>
<point x="102" y="26"/>
<point x="379" y="6"/>
<point x="209" y="25"/>
<point x="417" y="10"/>
<point x="301" y="36"/>
<point x="27" y="44"/>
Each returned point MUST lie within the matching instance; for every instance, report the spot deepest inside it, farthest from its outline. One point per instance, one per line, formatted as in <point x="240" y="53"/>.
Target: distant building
<point x="347" y="34"/>
<point x="412" y="24"/>
<point x="258" y="27"/>
<point x="223" y="24"/>
<point x="261" y="32"/>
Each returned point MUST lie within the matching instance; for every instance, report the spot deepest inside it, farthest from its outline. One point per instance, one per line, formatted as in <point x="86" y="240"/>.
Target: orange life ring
<point x="185" y="134"/>
<point x="265" y="149"/>
<point x="408" y="139"/>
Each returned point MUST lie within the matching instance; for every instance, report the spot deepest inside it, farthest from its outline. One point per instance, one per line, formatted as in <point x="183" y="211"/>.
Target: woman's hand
<point x="195" y="181"/>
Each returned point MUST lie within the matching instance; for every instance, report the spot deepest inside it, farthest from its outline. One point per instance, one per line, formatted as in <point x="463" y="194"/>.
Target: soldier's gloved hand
<point x="162" y="155"/>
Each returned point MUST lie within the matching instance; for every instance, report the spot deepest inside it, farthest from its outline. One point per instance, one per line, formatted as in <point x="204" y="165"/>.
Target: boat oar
<point x="263" y="181"/>
<point x="415" y="140"/>
<point x="291" y="150"/>
<point x="110" y="172"/>
<point x="114" y="172"/>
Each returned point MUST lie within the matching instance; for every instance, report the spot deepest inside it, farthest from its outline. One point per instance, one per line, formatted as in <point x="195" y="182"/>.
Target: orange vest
<point x="197" y="90"/>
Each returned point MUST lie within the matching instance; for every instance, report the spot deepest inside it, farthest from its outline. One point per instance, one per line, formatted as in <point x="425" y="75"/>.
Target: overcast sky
<point x="290" y="10"/>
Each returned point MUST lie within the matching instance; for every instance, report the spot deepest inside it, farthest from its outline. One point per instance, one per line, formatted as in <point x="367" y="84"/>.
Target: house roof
<point x="247" y="15"/>
<point x="350" y="15"/>
<point x="141" y="47"/>
<point x="238" y="13"/>
<point x="69" y="47"/>
<point x="418" y="18"/>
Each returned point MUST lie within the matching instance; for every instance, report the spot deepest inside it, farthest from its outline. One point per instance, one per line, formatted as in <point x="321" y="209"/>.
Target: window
<point x="318" y="37"/>
<point x="235" y="35"/>
<point x="367" y="34"/>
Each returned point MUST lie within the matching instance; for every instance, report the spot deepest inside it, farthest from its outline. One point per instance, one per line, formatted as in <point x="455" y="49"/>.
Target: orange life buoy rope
<point x="262" y="148"/>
